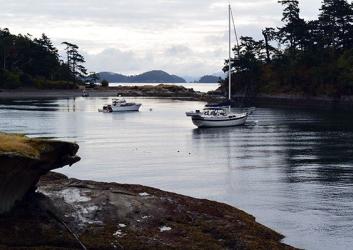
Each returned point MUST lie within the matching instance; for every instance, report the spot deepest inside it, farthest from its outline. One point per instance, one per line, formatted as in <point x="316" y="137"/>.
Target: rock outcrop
<point x="161" y="90"/>
<point x="62" y="213"/>
<point x="115" y="216"/>
<point x="23" y="161"/>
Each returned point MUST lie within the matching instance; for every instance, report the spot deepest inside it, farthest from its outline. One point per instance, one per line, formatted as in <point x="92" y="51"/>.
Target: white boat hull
<point x="212" y="123"/>
<point x="126" y="108"/>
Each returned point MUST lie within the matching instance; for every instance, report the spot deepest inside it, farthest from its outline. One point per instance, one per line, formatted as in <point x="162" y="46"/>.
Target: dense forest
<point x="303" y="57"/>
<point x="35" y="62"/>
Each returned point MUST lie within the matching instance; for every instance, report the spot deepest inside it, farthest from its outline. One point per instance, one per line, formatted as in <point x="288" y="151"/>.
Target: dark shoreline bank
<point x="289" y="101"/>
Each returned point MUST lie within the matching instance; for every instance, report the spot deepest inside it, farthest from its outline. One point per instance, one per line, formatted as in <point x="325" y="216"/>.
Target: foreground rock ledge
<point x="23" y="161"/>
<point x="44" y="210"/>
<point x="115" y="216"/>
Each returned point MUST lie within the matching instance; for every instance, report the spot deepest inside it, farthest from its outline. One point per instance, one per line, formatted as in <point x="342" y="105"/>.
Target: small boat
<point x="106" y="109"/>
<point x="120" y="105"/>
<point x="218" y="117"/>
<point x="85" y="93"/>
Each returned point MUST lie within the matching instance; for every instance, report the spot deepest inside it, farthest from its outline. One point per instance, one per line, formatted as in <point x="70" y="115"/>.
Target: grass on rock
<point x="19" y="144"/>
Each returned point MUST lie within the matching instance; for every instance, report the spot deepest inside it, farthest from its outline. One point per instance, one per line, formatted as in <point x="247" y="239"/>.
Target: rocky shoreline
<point x="56" y="212"/>
<point x="160" y="91"/>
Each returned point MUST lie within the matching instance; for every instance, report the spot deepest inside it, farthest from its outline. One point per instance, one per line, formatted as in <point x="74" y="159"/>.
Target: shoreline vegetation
<point x="299" y="58"/>
<point x="35" y="63"/>
<point x="50" y="210"/>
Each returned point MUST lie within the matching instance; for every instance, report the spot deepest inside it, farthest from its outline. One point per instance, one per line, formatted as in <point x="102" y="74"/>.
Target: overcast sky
<point x="184" y="37"/>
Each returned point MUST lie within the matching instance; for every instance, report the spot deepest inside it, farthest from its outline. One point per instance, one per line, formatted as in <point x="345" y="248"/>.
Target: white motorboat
<point x="120" y="105"/>
<point x="221" y="116"/>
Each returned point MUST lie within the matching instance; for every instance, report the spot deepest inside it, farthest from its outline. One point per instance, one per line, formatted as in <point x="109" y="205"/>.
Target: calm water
<point x="292" y="169"/>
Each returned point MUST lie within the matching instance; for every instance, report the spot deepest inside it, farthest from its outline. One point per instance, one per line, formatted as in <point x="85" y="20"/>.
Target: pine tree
<point x="269" y="35"/>
<point x="5" y="44"/>
<point x="335" y="20"/>
<point x="75" y="61"/>
<point x="295" y="30"/>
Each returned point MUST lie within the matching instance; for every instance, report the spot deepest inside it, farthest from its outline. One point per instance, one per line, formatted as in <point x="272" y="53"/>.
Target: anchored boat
<point x="85" y="93"/>
<point x="121" y="105"/>
<point x="218" y="117"/>
<point x="213" y="116"/>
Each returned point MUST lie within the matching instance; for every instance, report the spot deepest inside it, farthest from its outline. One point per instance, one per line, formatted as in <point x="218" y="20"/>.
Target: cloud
<point x="136" y="35"/>
<point x="178" y="51"/>
<point x="179" y="59"/>
<point x="115" y="60"/>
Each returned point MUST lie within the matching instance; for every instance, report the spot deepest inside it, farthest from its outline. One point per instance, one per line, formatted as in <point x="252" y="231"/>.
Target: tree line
<point x="304" y="57"/>
<point x="35" y="62"/>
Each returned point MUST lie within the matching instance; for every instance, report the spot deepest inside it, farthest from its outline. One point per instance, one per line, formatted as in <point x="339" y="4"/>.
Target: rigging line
<point x="235" y="31"/>
<point x="54" y="216"/>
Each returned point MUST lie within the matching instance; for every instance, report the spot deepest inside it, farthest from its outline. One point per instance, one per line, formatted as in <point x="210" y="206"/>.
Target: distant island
<point x="209" y="79"/>
<point x="154" y="76"/>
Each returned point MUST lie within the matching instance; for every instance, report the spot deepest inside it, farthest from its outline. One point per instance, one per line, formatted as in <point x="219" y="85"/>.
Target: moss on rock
<point x="19" y="144"/>
<point x="23" y="161"/>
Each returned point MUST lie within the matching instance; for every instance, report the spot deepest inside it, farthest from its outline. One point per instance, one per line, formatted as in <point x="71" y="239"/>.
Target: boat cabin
<point x="215" y="112"/>
<point x="118" y="101"/>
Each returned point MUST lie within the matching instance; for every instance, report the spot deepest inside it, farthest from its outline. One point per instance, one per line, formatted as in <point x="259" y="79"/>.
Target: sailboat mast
<point x="230" y="56"/>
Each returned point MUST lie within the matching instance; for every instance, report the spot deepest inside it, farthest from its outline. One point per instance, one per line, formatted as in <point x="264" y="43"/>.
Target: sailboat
<point x="221" y="116"/>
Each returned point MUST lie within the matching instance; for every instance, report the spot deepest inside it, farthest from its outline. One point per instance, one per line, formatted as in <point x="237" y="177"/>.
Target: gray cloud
<point x="179" y="59"/>
<point x="129" y="36"/>
<point x="178" y="51"/>
<point x="116" y="61"/>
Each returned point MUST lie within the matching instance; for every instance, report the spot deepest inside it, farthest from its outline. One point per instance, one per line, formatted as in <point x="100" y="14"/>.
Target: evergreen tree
<point x="269" y="35"/>
<point x="314" y="57"/>
<point x="5" y="44"/>
<point x="49" y="57"/>
<point x="336" y="20"/>
<point x="35" y="62"/>
<point x="75" y="61"/>
<point x="92" y="78"/>
<point x="295" y="30"/>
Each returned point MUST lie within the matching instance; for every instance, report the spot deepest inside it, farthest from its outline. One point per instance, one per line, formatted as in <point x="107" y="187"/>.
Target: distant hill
<point x="113" y="77"/>
<point x="209" y="79"/>
<point x="155" y="76"/>
<point x="191" y="79"/>
<point x="221" y="74"/>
